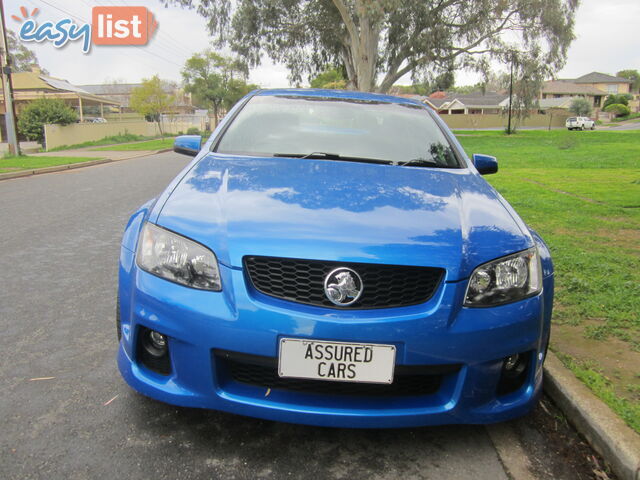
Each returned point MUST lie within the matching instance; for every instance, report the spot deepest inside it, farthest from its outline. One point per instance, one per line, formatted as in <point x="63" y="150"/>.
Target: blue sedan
<point x="334" y="258"/>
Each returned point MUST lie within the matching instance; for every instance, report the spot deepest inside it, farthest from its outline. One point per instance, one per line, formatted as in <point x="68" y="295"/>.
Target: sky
<point x="606" y="30"/>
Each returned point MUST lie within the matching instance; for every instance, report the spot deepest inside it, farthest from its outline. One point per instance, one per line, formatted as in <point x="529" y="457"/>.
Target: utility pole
<point x="7" y="88"/>
<point x="510" y="95"/>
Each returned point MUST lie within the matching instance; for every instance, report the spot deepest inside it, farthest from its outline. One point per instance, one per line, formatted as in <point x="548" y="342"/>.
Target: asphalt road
<point x="627" y="126"/>
<point x="59" y="239"/>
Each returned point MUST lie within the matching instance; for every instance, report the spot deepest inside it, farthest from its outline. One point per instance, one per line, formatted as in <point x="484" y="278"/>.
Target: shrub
<point x="622" y="99"/>
<point x="580" y="107"/>
<point x="193" y="131"/>
<point x="38" y="113"/>
<point x="624" y="118"/>
<point x="618" y="109"/>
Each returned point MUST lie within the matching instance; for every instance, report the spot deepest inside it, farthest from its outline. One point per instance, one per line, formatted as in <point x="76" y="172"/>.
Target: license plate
<point x="336" y="361"/>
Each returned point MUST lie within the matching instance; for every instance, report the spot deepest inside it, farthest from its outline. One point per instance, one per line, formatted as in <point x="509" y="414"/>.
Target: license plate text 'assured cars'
<point x="336" y="361"/>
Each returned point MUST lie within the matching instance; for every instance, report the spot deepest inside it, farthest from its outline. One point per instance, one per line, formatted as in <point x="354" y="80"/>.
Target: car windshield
<point x="338" y="129"/>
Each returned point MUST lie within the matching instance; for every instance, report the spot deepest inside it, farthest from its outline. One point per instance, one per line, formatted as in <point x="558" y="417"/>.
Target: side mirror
<point x="485" y="164"/>
<point x="187" y="144"/>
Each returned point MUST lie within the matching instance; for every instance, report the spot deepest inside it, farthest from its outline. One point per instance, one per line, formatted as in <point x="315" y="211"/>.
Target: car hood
<point x="342" y="211"/>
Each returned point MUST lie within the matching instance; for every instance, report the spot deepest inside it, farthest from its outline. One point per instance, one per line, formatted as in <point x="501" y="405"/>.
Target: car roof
<point x="346" y="94"/>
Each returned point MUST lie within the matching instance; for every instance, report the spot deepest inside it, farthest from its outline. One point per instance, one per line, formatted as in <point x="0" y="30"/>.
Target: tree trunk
<point x="160" y="127"/>
<point x="348" y="65"/>
<point x="215" y="114"/>
<point x="367" y="50"/>
<point x="360" y="51"/>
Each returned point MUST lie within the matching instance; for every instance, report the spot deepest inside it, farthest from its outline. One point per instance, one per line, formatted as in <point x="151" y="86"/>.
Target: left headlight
<point x="505" y="280"/>
<point x="178" y="259"/>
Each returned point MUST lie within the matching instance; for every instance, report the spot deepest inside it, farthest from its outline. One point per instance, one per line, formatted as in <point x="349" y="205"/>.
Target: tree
<point x="580" y="107"/>
<point x="215" y="81"/>
<point x="38" y="113"/>
<point x="330" y="78"/>
<point x="151" y="100"/>
<point x="525" y="81"/>
<point x="415" y="89"/>
<point x="618" y="109"/>
<point x="622" y="98"/>
<point x="633" y="75"/>
<point x="22" y="58"/>
<point x="379" y="41"/>
<point x="442" y="82"/>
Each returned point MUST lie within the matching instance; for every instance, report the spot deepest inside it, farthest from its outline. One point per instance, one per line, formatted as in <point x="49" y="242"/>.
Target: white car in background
<point x="580" y="123"/>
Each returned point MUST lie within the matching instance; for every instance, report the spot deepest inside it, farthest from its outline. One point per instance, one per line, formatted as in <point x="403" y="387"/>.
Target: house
<point x="562" y="103"/>
<point x="606" y="83"/>
<point x="29" y="86"/>
<point x="570" y="89"/>
<point x="121" y="92"/>
<point x="594" y="86"/>
<point x="472" y="103"/>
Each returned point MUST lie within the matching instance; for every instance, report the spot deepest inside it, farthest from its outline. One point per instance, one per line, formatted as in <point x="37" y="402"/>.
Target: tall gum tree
<point x="380" y="41"/>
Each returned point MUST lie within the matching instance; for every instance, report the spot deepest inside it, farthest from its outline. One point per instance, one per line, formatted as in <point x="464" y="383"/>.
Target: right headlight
<point x="173" y="257"/>
<point x="505" y="280"/>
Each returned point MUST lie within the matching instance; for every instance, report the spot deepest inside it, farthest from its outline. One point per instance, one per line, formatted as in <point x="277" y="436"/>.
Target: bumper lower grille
<point x="302" y="281"/>
<point x="262" y="372"/>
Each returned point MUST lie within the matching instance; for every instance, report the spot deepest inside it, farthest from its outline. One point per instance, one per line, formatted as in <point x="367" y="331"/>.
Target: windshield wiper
<point x="328" y="155"/>
<point x="427" y="162"/>
<point x="332" y="156"/>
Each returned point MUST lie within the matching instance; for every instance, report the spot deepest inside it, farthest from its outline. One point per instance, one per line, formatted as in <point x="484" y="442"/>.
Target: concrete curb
<point x="72" y="166"/>
<point x="603" y="429"/>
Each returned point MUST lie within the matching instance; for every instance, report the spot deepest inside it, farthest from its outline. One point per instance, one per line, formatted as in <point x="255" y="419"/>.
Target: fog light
<point x="155" y="343"/>
<point x="159" y="340"/>
<point x="514" y="374"/>
<point x="152" y="350"/>
<point x="510" y="362"/>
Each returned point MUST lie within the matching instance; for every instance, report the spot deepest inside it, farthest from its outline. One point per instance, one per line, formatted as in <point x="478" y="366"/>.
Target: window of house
<point x="612" y="88"/>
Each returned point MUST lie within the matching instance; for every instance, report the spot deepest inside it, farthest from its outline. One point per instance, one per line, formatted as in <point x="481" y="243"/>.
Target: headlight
<point x="176" y="258"/>
<point x="505" y="280"/>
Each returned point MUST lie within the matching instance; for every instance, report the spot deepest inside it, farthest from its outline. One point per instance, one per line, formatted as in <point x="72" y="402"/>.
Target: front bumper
<point x="242" y="320"/>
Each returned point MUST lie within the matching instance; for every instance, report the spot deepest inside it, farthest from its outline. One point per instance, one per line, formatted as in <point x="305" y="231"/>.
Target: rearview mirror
<point x="187" y="144"/>
<point x="485" y="164"/>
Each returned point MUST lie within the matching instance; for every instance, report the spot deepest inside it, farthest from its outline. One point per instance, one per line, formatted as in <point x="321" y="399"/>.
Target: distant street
<point x="627" y="126"/>
<point x="65" y="413"/>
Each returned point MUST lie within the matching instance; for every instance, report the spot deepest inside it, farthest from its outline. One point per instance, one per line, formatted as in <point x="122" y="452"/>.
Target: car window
<point x="297" y="125"/>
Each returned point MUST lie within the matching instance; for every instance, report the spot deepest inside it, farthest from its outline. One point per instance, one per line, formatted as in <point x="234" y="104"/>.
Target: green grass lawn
<point x="13" y="164"/>
<point x="157" y="144"/>
<point x="123" y="138"/>
<point x="581" y="192"/>
<point x="635" y="117"/>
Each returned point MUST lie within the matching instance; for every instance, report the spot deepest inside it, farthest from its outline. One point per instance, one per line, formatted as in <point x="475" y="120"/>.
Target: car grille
<point x="409" y="380"/>
<point x="302" y="281"/>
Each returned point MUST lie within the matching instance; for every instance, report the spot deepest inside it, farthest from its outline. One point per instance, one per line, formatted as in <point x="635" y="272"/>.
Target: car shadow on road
<point x="232" y="446"/>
